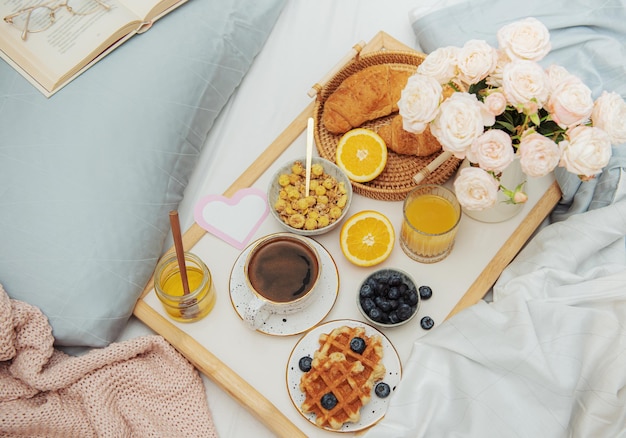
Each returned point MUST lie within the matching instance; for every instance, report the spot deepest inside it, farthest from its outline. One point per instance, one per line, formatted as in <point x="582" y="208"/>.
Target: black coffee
<point x="282" y="269"/>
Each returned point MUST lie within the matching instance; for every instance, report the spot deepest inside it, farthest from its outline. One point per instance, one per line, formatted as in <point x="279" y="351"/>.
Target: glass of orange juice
<point x="431" y="215"/>
<point x="168" y="286"/>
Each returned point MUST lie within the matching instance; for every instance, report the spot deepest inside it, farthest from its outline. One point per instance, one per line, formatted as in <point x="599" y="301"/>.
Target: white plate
<point x="309" y="343"/>
<point x="285" y="325"/>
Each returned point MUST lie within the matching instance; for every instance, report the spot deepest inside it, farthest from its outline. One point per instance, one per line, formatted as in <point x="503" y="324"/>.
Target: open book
<point x="56" y="48"/>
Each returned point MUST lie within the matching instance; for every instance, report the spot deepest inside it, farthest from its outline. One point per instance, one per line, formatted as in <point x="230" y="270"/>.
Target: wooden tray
<point x="223" y="376"/>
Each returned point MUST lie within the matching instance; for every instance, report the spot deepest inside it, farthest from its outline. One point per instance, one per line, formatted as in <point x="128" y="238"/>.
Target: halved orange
<point x="361" y="154"/>
<point x="367" y="238"/>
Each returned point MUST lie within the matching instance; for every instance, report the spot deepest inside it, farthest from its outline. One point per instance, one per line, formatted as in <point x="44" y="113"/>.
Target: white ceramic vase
<point x="502" y="211"/>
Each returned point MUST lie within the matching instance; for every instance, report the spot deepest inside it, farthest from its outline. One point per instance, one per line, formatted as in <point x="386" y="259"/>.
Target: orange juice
<point x="431" y="217"/>
<point x="431" y="214"/>
<point x="168" y="286"/>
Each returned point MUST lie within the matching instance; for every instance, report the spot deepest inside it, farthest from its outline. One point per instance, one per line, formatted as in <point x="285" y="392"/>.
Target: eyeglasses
<point x="40" y="17"/>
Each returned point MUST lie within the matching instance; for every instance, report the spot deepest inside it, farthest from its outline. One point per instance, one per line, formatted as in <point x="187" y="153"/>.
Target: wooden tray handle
<point x="354" y="52"/>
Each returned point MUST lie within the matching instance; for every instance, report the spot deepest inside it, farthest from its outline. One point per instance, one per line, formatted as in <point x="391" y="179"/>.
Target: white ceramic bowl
<point x="329" y="168"/>
<point x="410" y="298"/>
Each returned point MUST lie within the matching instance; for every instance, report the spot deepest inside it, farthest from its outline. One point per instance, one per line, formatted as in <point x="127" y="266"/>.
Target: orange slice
<point x="361" y="154"/>
<point x="367" y="238"/>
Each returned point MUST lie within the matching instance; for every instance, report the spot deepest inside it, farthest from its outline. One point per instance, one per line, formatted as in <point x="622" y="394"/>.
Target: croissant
<point x="404" y="142"/>
<point x="366" y="95"/>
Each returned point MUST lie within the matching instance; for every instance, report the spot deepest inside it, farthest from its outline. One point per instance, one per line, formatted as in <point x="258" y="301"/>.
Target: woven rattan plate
<point x="396" y="181"/>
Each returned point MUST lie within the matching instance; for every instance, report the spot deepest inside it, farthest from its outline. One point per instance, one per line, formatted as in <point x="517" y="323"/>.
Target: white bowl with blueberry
<point x="388" y="298"/>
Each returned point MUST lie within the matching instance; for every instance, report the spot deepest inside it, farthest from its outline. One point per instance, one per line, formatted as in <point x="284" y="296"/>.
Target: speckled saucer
<point x="295" y="323"/>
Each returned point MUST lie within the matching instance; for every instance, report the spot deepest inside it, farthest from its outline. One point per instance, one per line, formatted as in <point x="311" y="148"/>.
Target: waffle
<point x="350" y="376"/>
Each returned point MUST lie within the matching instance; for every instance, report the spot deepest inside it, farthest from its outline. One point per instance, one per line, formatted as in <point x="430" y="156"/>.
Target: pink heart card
<point x="235" y="219"/>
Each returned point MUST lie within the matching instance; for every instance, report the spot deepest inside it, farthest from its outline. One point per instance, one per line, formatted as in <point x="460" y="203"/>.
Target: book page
<point x="69" y="42"/>
<point x="148" y="10"/>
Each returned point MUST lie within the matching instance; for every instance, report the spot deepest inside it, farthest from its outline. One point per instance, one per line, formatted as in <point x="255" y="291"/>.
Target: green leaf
<point x="535" y="119"/>
<point x="509" y="127"/>
<point x="477" y="88"/>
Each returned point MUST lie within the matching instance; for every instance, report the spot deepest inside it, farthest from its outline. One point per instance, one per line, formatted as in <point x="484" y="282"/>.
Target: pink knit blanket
<point x="140" y="387"/>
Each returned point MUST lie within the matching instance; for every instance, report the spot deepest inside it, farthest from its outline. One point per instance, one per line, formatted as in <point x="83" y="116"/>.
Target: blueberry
<point x="328" y="401"/>
<point x="367" y="304"/>
<point x="382" y="390"/>
<point x="383" y="278"/>
<point x="357" y="345"/>
<point x="394" y="293"/>
<point x="376" y="314"/>
<point x="395" y="280"/>
<point x="378" y="289"/>
<point x="393" y="317"/>
<point x="412" y="298"/>
<point x="366" y="291"/>
<point x="404" y="312"/>
<point x="384" y="317"/>
<point x="385" y="292"/>
<point x="425" y="292"/>
<point x="427" y="323"/>
<point x="394" y="304"/>
<point x="305" y="363"/>
<point x="385" y="305"/>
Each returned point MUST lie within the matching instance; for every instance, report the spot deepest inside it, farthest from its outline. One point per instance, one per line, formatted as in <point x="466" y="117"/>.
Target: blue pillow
<point x="88" y="176"/>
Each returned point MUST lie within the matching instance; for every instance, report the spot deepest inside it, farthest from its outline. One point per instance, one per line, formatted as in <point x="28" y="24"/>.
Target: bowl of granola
<point x="319" y="211"/>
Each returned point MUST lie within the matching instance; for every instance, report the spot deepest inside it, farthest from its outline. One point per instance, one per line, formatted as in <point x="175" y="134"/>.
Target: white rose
<point x="525" y="39"/>
<point x="570" y="103"/>
<point x="495" y="103"/>
<point x="556" y="75"/>
<point x="492" y="151"/>
<point x="419" y="102"/>
<point x="475" y="61"/>
<point x="458" y="123"/>
<point x="586" y="151"/>
<point x="539" y="155"/>
<point x="440" y="64"/>
<point x="609" y="114"/>
<point x="476" y="189"/>
<point x="495" y="77"/>
<point x="524" y="82"/>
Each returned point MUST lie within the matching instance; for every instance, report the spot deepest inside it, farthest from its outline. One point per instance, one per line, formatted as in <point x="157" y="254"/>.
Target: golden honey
<point x="168" y="287"/>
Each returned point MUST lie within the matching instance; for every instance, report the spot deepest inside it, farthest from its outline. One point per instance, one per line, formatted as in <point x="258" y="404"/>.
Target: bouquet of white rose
<point x="513" y="108"/>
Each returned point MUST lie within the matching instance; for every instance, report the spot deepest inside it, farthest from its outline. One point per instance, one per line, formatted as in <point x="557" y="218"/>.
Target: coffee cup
<point x="282" y="271"/>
